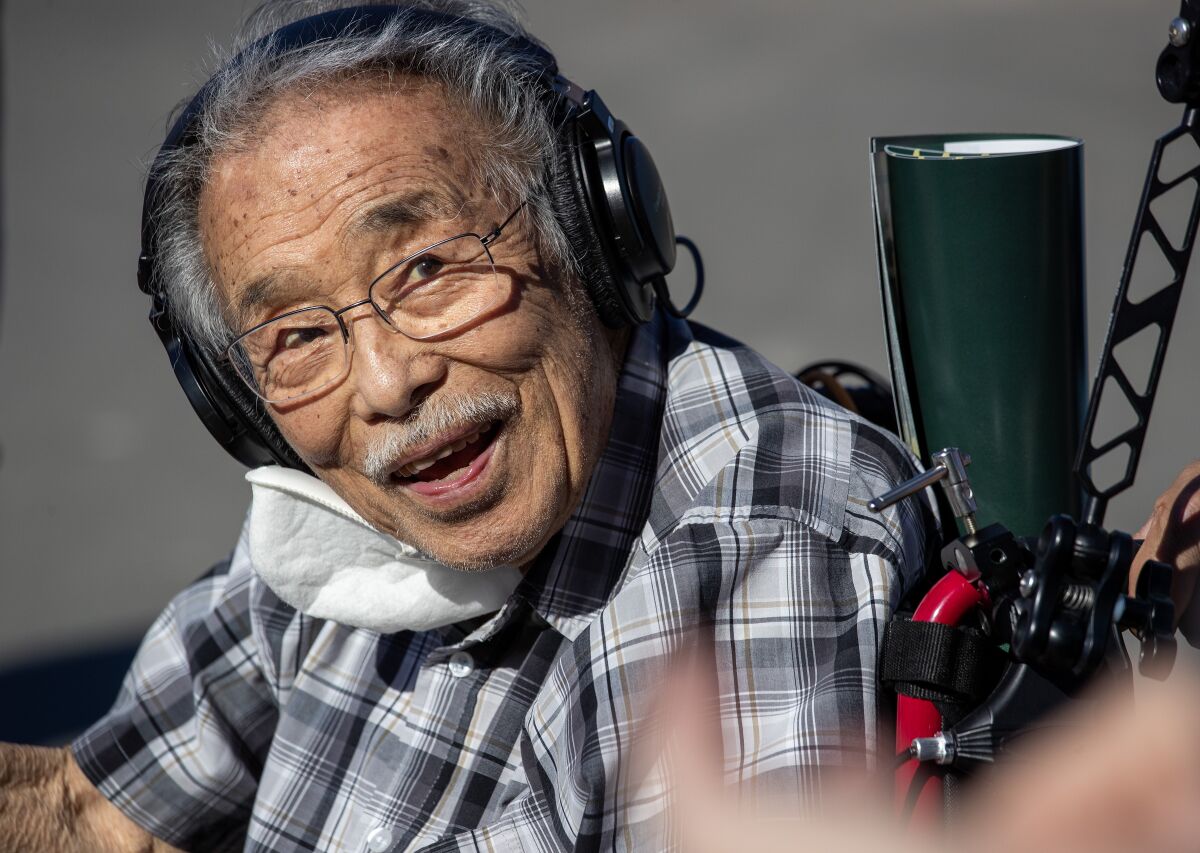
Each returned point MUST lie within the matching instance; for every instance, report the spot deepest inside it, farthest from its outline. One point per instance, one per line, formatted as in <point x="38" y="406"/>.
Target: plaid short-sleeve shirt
<point x="728" y="496"/>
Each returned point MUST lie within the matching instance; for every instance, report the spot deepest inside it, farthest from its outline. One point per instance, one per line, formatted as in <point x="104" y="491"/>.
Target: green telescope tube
<point x="981" y="255"/>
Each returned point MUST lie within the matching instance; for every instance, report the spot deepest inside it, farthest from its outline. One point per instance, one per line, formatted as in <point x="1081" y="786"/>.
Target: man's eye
<point x="426" y="267"/>
<point x="297" y="338"/>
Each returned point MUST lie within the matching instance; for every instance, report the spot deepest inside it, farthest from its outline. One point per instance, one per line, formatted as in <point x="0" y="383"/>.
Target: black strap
<point x="954" y="667"/>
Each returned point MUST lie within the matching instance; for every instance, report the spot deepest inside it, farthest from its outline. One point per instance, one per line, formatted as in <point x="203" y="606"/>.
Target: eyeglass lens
<point x="433" y="293"/>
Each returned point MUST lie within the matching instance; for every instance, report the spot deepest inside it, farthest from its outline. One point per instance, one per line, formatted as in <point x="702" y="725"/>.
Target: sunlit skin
<point x="288" y="206"/>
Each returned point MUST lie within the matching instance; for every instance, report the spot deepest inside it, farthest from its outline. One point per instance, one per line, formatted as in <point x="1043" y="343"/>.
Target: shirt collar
<point x="578" y="570"/>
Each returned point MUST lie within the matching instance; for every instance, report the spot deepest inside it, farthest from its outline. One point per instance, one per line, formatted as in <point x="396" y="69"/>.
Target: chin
<point x="507" y="524"/>
<point x="468" y="556"/>
<point x="480" y="538"/>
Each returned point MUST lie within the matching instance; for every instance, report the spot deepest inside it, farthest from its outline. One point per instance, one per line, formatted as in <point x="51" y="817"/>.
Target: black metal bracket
<point x="1178" y="77"/>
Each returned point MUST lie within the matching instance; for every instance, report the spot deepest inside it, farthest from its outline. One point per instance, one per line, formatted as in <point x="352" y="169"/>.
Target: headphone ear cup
<point x="651" y="212"/>
<point x="579" y="222"/>
<point x="255" y="439"/>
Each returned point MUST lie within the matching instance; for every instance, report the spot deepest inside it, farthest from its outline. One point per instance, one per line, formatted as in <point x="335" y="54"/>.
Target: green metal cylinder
<point x="982" y="268"/>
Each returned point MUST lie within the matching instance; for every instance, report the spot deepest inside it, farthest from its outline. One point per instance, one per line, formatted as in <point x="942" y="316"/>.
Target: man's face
<point x="336" y="188"/>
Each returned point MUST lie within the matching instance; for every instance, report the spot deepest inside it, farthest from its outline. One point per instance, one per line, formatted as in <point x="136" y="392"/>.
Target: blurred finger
<point x="1113" y="779"/>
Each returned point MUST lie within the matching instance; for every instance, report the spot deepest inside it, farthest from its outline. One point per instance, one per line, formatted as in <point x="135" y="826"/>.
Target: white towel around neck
<point x="321" y="557"/>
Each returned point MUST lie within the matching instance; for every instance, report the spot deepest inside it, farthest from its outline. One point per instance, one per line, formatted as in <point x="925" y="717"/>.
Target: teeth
<point x="419" y="465"/>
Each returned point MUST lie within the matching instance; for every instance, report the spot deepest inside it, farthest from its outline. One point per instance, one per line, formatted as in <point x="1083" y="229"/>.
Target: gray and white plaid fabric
<point x="729" y="497"/>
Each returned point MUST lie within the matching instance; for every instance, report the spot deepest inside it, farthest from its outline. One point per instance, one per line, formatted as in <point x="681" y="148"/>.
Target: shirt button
<point x="461" y="664"/>
<point x="379" y="839"/>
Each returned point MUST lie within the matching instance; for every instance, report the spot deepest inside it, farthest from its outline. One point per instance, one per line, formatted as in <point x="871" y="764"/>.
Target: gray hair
<point x="493" y="80"/>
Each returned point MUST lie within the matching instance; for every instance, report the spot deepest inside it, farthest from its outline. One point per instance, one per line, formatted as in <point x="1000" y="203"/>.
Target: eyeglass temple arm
<point x="493" y="235"/>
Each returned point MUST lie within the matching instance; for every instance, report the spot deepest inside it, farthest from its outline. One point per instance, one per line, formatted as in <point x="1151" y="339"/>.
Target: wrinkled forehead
<point x="331" y="171"/>
<point x="370" y="125"/>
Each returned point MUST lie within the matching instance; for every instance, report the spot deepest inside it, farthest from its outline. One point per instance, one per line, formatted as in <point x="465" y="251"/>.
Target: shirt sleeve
<point x="181" y="750"/>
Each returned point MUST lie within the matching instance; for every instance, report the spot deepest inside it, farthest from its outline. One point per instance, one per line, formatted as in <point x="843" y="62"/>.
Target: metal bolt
<point x="1028" y="584"/>
<point x="940" y="748"/>
<point x="1179" y="32"/>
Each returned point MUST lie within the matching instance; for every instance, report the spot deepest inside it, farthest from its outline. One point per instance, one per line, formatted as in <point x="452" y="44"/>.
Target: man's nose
<point x="390" y="373"/>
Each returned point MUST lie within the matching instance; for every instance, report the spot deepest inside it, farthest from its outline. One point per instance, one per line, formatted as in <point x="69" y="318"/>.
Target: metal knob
<point x="908" y="487"/>
<point x="1179" y="32"/>
<point x="950" y="468"/>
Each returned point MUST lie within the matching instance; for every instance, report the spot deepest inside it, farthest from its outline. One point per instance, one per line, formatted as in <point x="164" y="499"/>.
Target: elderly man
<point x="395" y="227"/>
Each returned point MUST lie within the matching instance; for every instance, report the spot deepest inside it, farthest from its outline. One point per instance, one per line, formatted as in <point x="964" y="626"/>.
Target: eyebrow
<point x="391" y="214"/>
<point x="260" y="291"/>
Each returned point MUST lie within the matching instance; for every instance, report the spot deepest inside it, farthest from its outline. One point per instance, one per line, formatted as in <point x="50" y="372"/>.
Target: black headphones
<point x="607" y="195"/>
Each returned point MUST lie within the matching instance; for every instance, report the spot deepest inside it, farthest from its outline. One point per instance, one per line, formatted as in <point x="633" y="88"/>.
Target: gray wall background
<point x="112" y="496"/>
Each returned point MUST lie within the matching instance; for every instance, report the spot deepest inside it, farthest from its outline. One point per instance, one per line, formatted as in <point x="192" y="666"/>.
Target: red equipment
<point x="951" y="600"/>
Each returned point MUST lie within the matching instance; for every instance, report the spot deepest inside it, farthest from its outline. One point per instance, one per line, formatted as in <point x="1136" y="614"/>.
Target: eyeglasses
<point x="429" y="294"/>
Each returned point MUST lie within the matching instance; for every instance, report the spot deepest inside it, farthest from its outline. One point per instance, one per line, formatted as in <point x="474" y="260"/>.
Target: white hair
<point x="494" y="80"/>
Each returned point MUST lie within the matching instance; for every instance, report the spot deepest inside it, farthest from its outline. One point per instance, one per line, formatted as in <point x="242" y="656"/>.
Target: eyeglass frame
<point x="486" y="240"/>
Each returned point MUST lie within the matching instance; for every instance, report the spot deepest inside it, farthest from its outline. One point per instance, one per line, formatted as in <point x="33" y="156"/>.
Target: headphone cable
<point x="660" y="283"/>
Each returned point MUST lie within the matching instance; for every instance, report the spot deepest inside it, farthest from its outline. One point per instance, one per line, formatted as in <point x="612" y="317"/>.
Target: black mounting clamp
<point x="1074" y="594"/>
<point x="1178" y="69"/>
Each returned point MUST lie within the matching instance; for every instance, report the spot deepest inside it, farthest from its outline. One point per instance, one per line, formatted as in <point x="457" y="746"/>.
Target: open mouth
<point x="452" y="465"/>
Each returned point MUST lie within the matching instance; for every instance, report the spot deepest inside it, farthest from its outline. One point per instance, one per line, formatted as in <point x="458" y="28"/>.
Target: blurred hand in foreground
<point x="1111" y="778"/>
<point x="1172" y="536"/>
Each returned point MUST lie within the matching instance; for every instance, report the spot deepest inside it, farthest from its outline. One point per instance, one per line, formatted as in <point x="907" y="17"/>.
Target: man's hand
<point x="47" y="804"/>
<point x="1172" y="536"/>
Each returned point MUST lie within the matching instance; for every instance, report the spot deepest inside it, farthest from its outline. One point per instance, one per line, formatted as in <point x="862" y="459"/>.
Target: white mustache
<point x="429" y="420"/>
